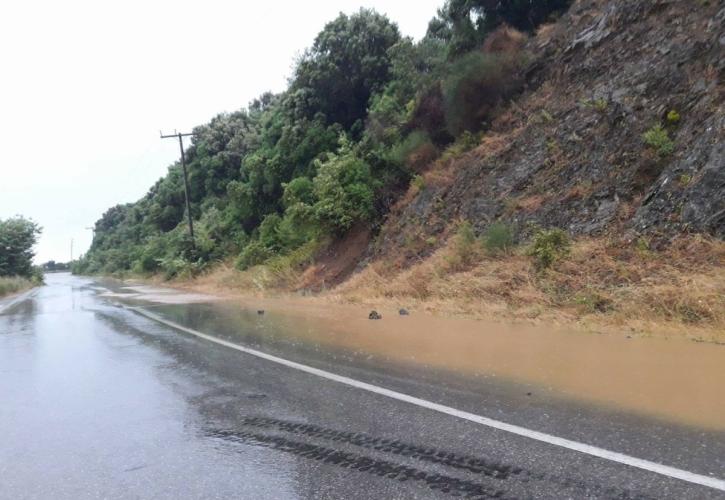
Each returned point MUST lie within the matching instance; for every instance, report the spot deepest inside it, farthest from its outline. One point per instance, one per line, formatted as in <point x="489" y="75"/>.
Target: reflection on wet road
<point x="99" y="402"/>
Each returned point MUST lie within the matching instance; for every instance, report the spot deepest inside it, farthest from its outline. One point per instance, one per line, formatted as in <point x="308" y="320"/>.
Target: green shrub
<point x="401" y="152"/>
<point x="498" y="238"/>
<point x="549" y="246"/>
<point x="344" y="191"/>
<point x="685" y="179"/>
<point x="299" y="190"/>
<point x="269" y="236"/>
<point x="673" y="117"/>
<point x="600" y="104"/>
<point x="465" y="142"/>
<point x="658" y="139"/>
<point x="148" y="263"/>
<point x="176" y="267"/>
<point x="418" y="182"/>
<point x="253" y="254"/>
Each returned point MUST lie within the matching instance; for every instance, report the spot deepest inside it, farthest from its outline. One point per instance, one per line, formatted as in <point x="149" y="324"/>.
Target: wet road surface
<point x="98" y="401"/>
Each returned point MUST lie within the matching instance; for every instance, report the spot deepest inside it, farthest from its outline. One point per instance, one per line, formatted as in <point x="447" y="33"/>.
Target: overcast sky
<point x="85" y="87"/>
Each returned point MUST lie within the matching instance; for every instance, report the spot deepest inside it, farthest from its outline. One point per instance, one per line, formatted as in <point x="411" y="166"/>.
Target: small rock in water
<point x="374" y="315"/>
<point x="403" y="312"/>
<point x="260" y="311"/>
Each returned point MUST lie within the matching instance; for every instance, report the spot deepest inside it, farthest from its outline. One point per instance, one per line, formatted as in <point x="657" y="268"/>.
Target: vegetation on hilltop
<point x="364" y="108"/>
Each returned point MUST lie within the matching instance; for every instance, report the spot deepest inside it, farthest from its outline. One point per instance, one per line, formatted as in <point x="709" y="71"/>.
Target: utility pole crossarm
<point x="176" y="134"/>
<point x="181" y="136"/>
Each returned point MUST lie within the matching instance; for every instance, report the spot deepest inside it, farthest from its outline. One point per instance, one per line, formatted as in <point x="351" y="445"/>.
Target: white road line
<point x="613" y="456"/>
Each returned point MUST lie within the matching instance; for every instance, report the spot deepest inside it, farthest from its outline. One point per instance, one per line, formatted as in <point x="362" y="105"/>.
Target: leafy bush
<point x="549" y="246"/>
<point x="673" y="117"/>
<point x="344" y="190"/>
<point x="147" y="263"/>
<point x="465" y="142"/>
<point x="498" y="238"/>
<point x="402" y="152"/>
<point x="253" y="254"/>
<point x="298" y="190"/>
<point x="658" y="139"/>
<point x="180" y="268"/>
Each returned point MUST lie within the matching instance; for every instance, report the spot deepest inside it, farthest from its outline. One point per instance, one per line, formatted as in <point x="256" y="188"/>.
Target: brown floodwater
<point x="675" y="379"/>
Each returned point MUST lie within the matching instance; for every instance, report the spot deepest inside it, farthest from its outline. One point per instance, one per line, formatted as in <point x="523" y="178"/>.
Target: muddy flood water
<point x="676" y="380"/>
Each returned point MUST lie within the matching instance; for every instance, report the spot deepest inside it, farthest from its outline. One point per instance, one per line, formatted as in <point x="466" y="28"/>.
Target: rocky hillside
<point x="619" y="131"/>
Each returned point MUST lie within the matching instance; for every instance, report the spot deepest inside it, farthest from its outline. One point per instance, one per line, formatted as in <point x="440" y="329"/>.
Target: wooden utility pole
<point x="186" y="179"/>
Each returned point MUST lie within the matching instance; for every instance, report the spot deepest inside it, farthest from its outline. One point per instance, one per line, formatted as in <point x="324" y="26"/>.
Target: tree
<point x="18" y="236"/>
<point x="347" y="63"/>
<point x="463" y="24"/>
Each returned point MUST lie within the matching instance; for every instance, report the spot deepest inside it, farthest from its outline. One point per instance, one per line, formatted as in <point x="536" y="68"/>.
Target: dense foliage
<point x="17" y="239"/>
<point x="364" y="108"/>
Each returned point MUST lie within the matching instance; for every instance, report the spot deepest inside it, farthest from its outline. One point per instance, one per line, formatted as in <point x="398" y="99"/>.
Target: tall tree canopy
<point x="348" y="62"/>
<point x="463" y="24"/>
<point x="17" y="239"/>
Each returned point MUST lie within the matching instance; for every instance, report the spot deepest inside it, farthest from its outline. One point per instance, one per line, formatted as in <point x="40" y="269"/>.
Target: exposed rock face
<point x="569" y="152"/>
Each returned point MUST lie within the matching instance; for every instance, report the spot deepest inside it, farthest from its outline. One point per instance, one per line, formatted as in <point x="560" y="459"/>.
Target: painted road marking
<point x="595" y="451"/>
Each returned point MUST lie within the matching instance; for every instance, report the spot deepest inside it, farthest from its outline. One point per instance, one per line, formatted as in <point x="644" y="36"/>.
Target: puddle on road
<point x="157" y="294"/>
<point x="675" y="379"/>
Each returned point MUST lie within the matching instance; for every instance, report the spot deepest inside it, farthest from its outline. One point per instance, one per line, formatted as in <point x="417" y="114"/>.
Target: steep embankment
<point x="618" y="139"/>
<point x="571" y="151"/>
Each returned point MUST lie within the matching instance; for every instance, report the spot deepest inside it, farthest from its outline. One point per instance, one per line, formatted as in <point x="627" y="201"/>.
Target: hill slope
<point x="428" y="171"/>
<point x="570" y="151"/>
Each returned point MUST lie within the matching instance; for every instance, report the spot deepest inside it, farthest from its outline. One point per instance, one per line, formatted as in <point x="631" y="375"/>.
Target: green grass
<point x="498" y="238"/>
<point x="13" y="284"/>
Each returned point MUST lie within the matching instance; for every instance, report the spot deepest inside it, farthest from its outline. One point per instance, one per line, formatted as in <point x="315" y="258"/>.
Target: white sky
<point x="85" y="87"/>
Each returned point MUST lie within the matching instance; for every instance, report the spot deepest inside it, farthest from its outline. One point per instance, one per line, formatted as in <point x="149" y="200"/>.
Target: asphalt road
<point x="99" y="401"/>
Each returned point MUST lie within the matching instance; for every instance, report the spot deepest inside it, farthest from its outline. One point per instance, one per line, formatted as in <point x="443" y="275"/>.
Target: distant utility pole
<point x="186" y="178"/>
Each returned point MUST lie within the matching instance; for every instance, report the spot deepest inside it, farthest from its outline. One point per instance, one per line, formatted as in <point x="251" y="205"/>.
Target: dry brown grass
<point x="602" y="284"/>
<point x="13" y="284"/>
